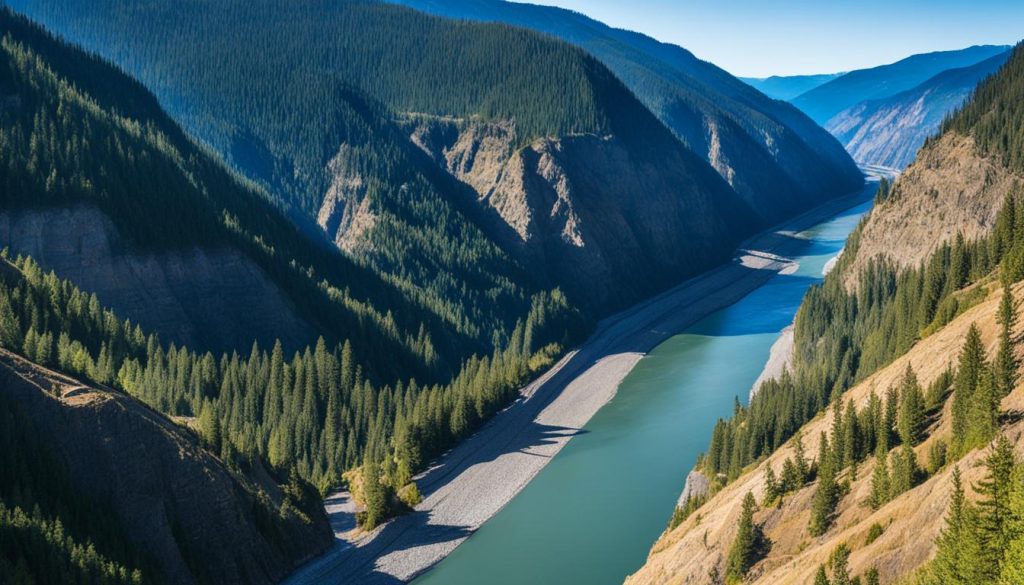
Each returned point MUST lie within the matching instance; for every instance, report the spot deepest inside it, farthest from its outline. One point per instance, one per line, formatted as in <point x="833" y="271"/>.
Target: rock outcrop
<point x="198" y="521"/>
<point x="217" y="299"/>
<point x="583" y="211"/>
<point x="951" y="189"/>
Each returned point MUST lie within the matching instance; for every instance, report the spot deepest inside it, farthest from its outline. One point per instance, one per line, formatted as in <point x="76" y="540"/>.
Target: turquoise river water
<point x="592" y="514"/>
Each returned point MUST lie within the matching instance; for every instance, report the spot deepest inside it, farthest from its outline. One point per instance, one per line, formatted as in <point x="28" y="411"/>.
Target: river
<point x="592" y="514"/>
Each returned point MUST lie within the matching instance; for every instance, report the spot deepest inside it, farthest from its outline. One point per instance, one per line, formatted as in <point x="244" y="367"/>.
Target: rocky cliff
<point x="197" y="520"/>
<point x="950" y="189"/>
<point x="204" y="298"/>
<point x="582" y="211"/>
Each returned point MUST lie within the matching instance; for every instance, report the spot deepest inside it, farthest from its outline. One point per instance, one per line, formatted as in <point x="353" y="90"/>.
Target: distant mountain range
<point x="787" y="87"/>
<point x="828" y="99"/>
<point x="889" y="131"/>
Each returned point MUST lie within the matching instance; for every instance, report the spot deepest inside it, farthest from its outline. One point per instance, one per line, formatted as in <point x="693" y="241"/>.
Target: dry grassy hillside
<point x="700" y="545"/>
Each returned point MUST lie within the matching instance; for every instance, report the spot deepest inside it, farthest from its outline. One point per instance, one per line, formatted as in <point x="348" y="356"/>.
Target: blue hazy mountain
<point x="827" y="100"/>
<point x="787" y="87"/>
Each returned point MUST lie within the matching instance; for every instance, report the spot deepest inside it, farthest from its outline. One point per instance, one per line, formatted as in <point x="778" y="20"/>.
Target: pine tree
<point x="1012" y="568"/>
<point x="821" y="578"/>
<point x="1006" y="363"/>
<point x="996" y="520"/>
<point x="826" y="497"/>
<point x="840" y="563"/>
<point x="744" y="546"/>
<point x="911" y="411"/>
<point x="375" y="495"/>
<point x="969" y="370"/>
<point x="800" y="458"/>
<point x="904" y="471"/>
<point x="880" y="483"/>
<point x="10" y="328"/>
<point x="983" y="411"/>
<point x="851" y="439"/>
<point x="958" y="557"/>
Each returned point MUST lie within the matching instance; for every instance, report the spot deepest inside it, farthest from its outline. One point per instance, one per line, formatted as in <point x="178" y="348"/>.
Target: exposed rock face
<point x="174" y="500"/>
<point x="597" y="222"/>
<point x="950" y="189"/>
<point x="208" y="299"/>
<point x="889" y="132"/>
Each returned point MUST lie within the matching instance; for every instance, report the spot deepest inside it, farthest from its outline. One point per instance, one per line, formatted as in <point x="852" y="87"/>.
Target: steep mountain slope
<point x="774" y="157"/>
<point x="895" y="539"/>
<point x="827" y="100"/>
<point x="787" y="87"/>
<point x="188" y="517"/>
<point x="913" y="347"/>
<point x="137" y="490"/>
<point x="99" y="184"/>
<point x="333" y="141"/>
<point x="888" y="132"/>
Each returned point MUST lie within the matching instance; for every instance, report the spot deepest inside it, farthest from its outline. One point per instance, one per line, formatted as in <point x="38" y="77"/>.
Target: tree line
<point x="315" y="411"/>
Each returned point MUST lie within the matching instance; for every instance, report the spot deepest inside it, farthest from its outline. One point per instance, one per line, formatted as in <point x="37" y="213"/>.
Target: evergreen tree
<point x="375" y="495"/>
<point x="983" y="411"/>
<point x="771" y="487"/>
<point x="880" y="482"/>
<point x="968" y="375"/>
<point x="744" y="546"/>
<point x="821" y="577"/>
<point x="996" y="520"/>
<point x="1012" y="568"/>
<point x="826" y="497"/>
<point x="911" y="411"/>
<point x="840" y="562"/>
<point x="1006" y="362"/>
<point x="904" y="471"/>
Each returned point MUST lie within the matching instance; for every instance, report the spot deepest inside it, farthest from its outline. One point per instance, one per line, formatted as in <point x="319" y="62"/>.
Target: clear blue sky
<point x="758" y="38"/>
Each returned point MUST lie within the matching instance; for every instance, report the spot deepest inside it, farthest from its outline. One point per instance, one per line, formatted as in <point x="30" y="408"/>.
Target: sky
<point x="758" y="38"/>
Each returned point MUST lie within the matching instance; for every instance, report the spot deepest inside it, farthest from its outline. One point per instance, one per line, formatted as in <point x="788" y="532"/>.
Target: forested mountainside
<point x="849" y="89"/>
<point x="324" y="113"/>
<point x="889" y="131"/>
<point x="82" y="140"/>
<point x="90" y="159"/>
<point x="97" y="488"/>
<point x="892" y="448"/>
<point x="787" y="87"/>
<point x="772" y="155"/>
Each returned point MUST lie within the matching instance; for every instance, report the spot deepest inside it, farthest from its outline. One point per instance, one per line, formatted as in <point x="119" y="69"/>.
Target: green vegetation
<point x="748" y="546"/>
<point x="982" y="542"/>
<point x="843" y="336"/>
<point x="316" y="412"/>
<point x="280" y="109"/>
<point x="80" y="132"/>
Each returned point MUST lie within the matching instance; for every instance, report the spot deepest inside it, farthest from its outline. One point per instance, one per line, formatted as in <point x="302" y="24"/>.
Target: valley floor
<point x="473" y="481"/>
